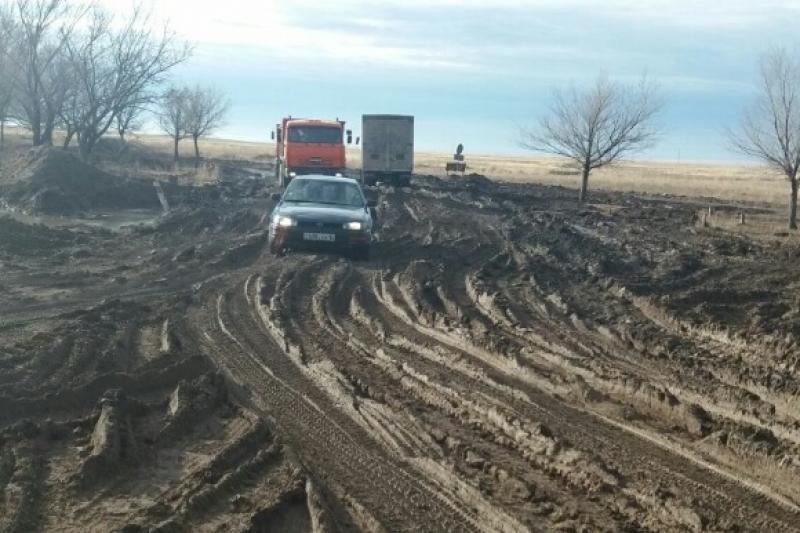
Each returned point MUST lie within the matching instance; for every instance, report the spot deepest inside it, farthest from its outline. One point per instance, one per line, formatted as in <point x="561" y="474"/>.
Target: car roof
<point x="322" y="177"/>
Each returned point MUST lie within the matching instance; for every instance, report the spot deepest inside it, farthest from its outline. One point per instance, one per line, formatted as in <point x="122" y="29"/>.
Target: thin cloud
<point x="464" y="35"/>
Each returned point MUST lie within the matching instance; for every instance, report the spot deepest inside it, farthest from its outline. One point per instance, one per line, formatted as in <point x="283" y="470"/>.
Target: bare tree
<point x="6" y="93"/>
<point x="206" y="112"/>
<point x="69" y="114"/>
<point x="118" y="69"/>
<point x="6" y="75"/>
<point x="770" y="127"/>
<point x="597" y="126"/>
<point x="39" y="29"/>
<point x="172" y="114"/>
<point x="129" y="120"/>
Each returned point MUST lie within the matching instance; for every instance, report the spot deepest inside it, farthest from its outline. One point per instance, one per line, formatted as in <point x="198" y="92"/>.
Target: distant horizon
<point x="11" y="128"/>
<point x="474" y="73"/>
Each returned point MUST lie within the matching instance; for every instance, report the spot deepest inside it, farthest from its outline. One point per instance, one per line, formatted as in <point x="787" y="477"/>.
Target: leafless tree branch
<point x="597" y="126"/>
<point x="116" y="70"/>
<point x="172" y="115"/>
<point x="770" y="127"/>
<point x="38" y="30"/>
<point x="206" y="110"/>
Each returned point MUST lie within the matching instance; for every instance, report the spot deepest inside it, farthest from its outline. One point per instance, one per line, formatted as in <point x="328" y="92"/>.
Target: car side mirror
<point x="272" y="135"/>
<point x="276" y="197"/>
<point x="349" y="134"/>
<point x="358" y="139"/>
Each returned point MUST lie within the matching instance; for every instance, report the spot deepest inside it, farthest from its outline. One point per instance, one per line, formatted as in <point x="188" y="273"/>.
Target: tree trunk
<point x="47" y="133"/>
<point x="85" y="148"/>
<point x="196" y="152"/>
<point x="68" y="138"/>
<point x="584" y="184"/>
<point x="36" y="133"/>
<point x="175" y="141"/>
<point x="793" y="204"/>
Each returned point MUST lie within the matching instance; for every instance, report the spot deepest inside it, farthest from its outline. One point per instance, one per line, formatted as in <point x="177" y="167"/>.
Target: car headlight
<point x="285" y="222"/>
<point x="355" y="226"/>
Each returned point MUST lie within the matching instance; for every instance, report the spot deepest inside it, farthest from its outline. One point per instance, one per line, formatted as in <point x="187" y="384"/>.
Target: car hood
<point x="322" y="212"/>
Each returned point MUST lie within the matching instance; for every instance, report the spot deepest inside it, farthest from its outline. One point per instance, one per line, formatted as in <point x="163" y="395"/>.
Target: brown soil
<point x="52" y="181"/>
<point x="506" y="362"/>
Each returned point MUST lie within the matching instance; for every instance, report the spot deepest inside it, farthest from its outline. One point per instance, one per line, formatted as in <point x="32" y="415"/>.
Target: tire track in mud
<point x="328" y="443"/>
<point x="627" y="450"/>
<point x="413" y="387"/>
<point x="321" y="343"/>
<point x="695" y="478"/>
<point x="482" y="420"/>
<point x="610" y="351"/>
<point x="632" y="447"/>
<point x="549" y="325"/>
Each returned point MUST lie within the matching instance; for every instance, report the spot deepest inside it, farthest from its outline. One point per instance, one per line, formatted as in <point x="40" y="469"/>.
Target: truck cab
<point x="309" y="146"/>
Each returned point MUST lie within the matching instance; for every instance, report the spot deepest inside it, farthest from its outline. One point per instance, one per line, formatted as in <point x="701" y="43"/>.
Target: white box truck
<point x="387" y="149"/>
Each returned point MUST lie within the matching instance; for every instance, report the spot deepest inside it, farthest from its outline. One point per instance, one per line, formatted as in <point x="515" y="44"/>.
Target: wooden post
<point x="741" y="218"/>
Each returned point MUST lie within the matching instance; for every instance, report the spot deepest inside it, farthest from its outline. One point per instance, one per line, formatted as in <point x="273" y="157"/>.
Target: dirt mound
<point x="19" y="238"/>
<point x="112" y="441"/>
<point x="196" y="221"/>
<point x="476" y="181"/>
<point x="190" y="401"/>
<point x="51" y="181"/>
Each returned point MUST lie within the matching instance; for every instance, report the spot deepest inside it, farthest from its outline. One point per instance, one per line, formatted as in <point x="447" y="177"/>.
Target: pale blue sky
<point x="472" y="71"/>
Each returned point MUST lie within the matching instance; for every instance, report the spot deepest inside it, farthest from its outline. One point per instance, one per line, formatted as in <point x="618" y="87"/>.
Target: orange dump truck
<point x="306" y="146"/>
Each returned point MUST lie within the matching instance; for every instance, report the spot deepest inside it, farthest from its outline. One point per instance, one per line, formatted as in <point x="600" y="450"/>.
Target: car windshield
<point x="324" y="192"/>
<point x="315" y="134"/>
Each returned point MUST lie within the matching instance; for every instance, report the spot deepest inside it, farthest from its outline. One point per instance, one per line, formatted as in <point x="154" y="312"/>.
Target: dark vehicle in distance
<point x="322" y="213"/>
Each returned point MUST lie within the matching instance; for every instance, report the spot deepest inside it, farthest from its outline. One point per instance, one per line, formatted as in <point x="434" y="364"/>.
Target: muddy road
<point x="506" y="362"/>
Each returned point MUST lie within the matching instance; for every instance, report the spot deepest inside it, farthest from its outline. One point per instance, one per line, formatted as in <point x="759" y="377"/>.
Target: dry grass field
<point x="731" y="182"/>
<point x="737" y="183"/>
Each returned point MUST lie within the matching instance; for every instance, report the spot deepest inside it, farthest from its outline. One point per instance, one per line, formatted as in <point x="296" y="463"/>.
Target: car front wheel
<point x="360" y="253"/>
<point x="275" y="249"/>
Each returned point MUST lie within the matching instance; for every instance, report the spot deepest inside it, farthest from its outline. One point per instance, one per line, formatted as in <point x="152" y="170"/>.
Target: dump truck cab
<point x="309" y="146"/>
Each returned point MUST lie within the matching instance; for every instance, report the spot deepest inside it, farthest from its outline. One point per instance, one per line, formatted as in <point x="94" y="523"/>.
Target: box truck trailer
<point x="387" y="149"/>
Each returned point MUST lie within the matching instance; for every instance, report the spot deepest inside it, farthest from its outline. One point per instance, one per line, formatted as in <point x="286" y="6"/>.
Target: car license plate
<point x="324" y="237"/>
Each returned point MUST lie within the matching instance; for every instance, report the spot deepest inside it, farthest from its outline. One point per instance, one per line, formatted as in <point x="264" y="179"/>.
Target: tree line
<point x="76" y="69"/>
<point x="597" y="125"/>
